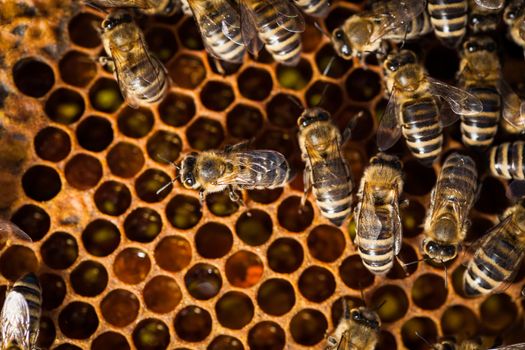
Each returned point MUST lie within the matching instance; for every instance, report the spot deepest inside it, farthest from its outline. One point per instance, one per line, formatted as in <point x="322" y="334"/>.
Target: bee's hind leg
<point x="307" y="185"/>
<point x="235" y="197"/>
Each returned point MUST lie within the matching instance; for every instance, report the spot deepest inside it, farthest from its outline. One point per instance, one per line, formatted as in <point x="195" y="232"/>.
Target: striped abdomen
<point x="449" y="19"/>
<point x="418" y="27"/>
<point x="421" y="129"/>
<point x="317" y="8"/>
<point x="506" y="160"/>
<point x="261" y="169"/>
<point x="480" y="129"/>
<point x="458" y="176"/>
<point x="29" y="287"/>
<point x="147" y="81"/>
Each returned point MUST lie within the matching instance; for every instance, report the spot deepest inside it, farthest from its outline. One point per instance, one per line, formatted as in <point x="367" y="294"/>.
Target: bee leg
<point x="347" y="132"/>
<point x="404" y="203"/>
<point x="306" y="181"/>
<point x="202" y="197"/>
<point x="403" y="265"/>
<point x="107" y="62"/>
<point x="235" y="197"/>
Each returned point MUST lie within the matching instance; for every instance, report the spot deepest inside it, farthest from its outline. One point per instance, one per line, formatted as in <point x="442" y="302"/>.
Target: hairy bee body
<point x="326" y="169"/>
<point x="507" y="160"/>
<point x="449" y="19"/>
<point x="142" y="78"/>
<point x="317" y="8"/>
<point x="358" y="329"/>
<point x="514" y="16"/>
<point x="378" y="224"/>
<point x="482" y="19"/>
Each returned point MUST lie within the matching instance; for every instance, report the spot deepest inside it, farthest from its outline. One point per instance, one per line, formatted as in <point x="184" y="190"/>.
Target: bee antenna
<point x="166" y="186"/>
<point x="379" y="306"/>
<point x="295" y="102"/>
<point x="362" y="293"/>
<point x="423" y="339"/>
<point x="446" y="273"/>
<point x="416" y="261"/>
<point x="323" y="31"/>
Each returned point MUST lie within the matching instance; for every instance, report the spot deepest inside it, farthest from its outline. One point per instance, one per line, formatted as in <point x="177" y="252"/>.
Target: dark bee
<point x="507" y="160"/>
<point x="514" y="17"/>
<point x="449" y="19"/>
<point x="482" y="19"/>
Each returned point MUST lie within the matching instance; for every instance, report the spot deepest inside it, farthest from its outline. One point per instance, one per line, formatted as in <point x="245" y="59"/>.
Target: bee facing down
<point x="150" y="7"/>
<point x="514" y="16"/>
<point x="378" y="223"/>
<point x="141" y="77"/>
<point x="449" y="19"/>
<point x="483" y="19"/>
<point x="233" y="169"/>
<point x="326" y="169"/>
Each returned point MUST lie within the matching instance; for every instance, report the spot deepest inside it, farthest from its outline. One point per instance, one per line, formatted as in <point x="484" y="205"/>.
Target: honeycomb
<point x="122" y="267"/>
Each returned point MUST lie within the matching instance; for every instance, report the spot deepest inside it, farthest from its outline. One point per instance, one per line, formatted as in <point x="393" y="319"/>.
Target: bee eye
<point x="393" y="65"/>
<point x="356" y="316"/>
<point x="474" y="19"/>
<point x="339" y="34"/>
<point x="510" y="15"/>
<point x="472" y="47"/>
<point x="108" y="24"/>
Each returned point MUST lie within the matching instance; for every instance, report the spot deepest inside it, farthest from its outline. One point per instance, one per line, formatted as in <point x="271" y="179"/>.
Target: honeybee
<point x="452" y="198"/>
<point x="473" y="345"/>
<point x="220" y="27"/>
<point x="490" y="4"/>
<point x="20" y="316"/>
<point x="514" y="16"/>
<point x="233" y="169"/>
<point x="142" y="78"/>
<point x="366" y="32"/>
<point x="498" y="255"/>
<point x="378" y="224"/>
<point x="326" y="169"/>
<point x="358" y="329"/>
<point x="150" y="7"/>
<point x="449" y="19"/>
<point x="316" y="8"/>
<point x="274" y="23"/>
<point x="483" y="19"/>
<point x="413" y="108"/>
<point x="507" y="160"/>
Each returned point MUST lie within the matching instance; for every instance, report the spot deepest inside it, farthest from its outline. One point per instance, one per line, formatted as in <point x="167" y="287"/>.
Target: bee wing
<point x="15" y="320"/>
<point x="368" y="221"/>
<point x="12" y="233"/>
<point x="518" y="346"/>
<point x="389" y="130"/>
<point x="218" y="16"/>
<point x="405" y="11"/>
<point x="396" y="224"/>
<point x="490" y="4"/>
<point x="288" y="16"/>
<point x="344" y="343"/>
<point x="249" y="32"/>
<point x="513" y="107"/>
<point x="461" y="101"/>
<point x="334" y="168"/>
<point x="122" y="66"/>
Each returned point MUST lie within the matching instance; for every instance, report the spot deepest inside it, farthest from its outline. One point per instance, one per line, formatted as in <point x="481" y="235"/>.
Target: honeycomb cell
<point x="294" y="217"/>
<point x="187" y="71"/>
<point x="419" y="179"/>
<point x="33" y="220"/>
<point x="64" y="106"/>
<point x="213" y="240"/>
<point x="82" y="32"/>
<point x="338" y="16"/>
<point x="244" y="269"/>
<point x="83" y="171"/>
<point x="459" y="321"/>
<point x="326" y="243"/>
<point x="164" y="146"/>
<point x="135" y="123"/>
<point x="492" y="198"/>
<point x="498" y="312"/>
<point x="77" y="68"/>
<point x="254" y="227"/>
<point x="393" y="300"/>
<point x="105" y="95"/>
<point x="162" y="294"/>
<point x="149" y="183"/>
<point x="176" y="109"/>
<point x="151" y="334"/>
<point x="120" y="307"/>
<point x="132" y="265"/>
<point x="47" y="333"/>
<point x="294" y="77"/>
<point x="265" y="196"/>
<point x="284" y="142"/>
<point x="189" y="35"/>
<point x="193" y="324"/>
<point x="94" y="133"/>
<point x="316" y="284"/>
<point x="407" y="255"/>
<point x="317" y="96"/>
<point x="412" y="218"/>
<point x="311" y="38"/>
<point x="203" y="281"/>
<point x="78" y="320"/>
<point x="41" y="183"/>
<point x="16" y="261"/>
<point x="338" y="307"/>
<point x="244" y="121"/>
<point x="183" y="212"/>
<point x="110" y="340"/>
<point x="360" y="120"/>
<point x="33" y="77"/>
<point x="234" y="310"/>
<point x="285" y="255"/>
<point x="52" y="144"/>
<point x="220" y="204"/>
<point x="125" y="160"/>
<point x="89" y="278"/>
<point x="266" y="335"/>
<point x="418" y="332"/>
<point x="59" y="251"/>
<point x="308" y="327"/>
<point x="173" y="253"/>
<point x="112" y="198"/>
<point x="283" y="110"/>
<point x="429" y="291"/>
<point x="142" y="225"/>
<point x="363" y="85"/>
<point x="53" y="290"/>
<point x="276" y="296"/>
<point x="205" y="134"/>
<point x="255" y="83"/>
<point x="67" y="346"/>
<point x="354" y="274"/>
<point x="100" y="237"/>
<point x="216" y="96"/>
<point x="225" y="342"/>
<point x="386" y="341"/>
<point x="330" y="64"/>
<point x="162" y="43"/>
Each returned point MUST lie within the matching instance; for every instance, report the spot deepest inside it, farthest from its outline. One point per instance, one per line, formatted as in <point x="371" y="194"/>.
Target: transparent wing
<point x="513" y="107"/>
<point x="389" y="130"/>
<point x="219" y="16"/>
<point x="368" y="221"/>
<point x="490" y="4"/>
<point x="344" y="343"/>
<point x="334" y="169"/>
<point x="396" y="224"/>
<point x="288" y="16"/>
<point x="518" y="346"/>
<point x="249" y="33"/>
<point x="141" y="4"/>
<point x="398" y="15"/>
<point x="10" y="233"/>
<point x="15" y="320"/>
<point x="460" y="101"/>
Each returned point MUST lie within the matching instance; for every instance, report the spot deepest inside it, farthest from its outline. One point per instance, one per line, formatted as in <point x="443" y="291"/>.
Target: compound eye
<point x="339" y="34"/>
<point x="189" y="181"/>
<point x="108" y="24"/>
<point x="393" y="65"/>
<point x="510" y="15"/>
<point x="472" y="47"/>
<point x="355" y="315"/>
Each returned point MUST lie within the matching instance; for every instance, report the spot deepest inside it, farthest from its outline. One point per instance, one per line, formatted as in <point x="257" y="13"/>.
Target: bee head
<point x="387" y="160"/>
<point x="366" y="317"/>
<point x="341" y="43"/>
<point x="479" y="43"/>
<point x="439" y="252"/>
<point x="511" y="13"/>
<point x="187" y="171"/>
<point x="116" y="18"/>
<point x="399" y="59"/>
<point x="312" y="115"/>
<point x="446" y="345"/>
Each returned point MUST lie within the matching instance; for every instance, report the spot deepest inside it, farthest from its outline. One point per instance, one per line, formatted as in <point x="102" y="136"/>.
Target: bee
<point x="498" y="255"/>
<point x="149" y="7"/>
<point x="483" y="19"/>
<point x="378" y="223"/>
<point x="473" y="345"/>
<point x="316" y="8"/>
<point x="449" y="19"/>
<point x="413" y="108"/>
<point x="220" y="27"/>
<point x="142" y="78"/>
<point x="514" y="17"/>
<point x="366" y="32"/>
<point x="233" y="169"/>
<point x="275" y="23"/>
<point x="326" y="169"/>
<point x="358" y="329"/>
<point x="490" y="4"/>
<point x="20" y="315"/>
<point x="451" y="199"/>
<point x="507" y="160"/>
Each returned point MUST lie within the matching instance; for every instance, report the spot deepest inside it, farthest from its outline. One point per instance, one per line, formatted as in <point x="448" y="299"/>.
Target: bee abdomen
<point x="316" y="8"/>
<point x="225" y="48"/>
<point x="29" y="287"/>
<point x="419" y="26"/>
<point x="506" y="160"/>
<point x="150" y="84"/>
<point x="480" y="129"/>
<point x="334" y="199"/>
<point x="459" y="172"/>
<point x="377" y="253"/>
<point x="449" y="19"/>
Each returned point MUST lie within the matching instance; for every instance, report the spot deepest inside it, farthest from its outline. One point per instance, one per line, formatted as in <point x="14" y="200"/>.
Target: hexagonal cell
<point x="142" y="225"/>
<point x="362" y="126"/>
<point x="330" y="64"/>
<point x="283" y="141"/>
<point x="395" y="302"/>
<point x="64" y="106"/>
<point x="94" y="133"/>
<point x="162" y="294"/>
<point x="173" y="253"/>
<point x="16" y="261"/>
<point x="189" y="35"/>
<point x="429" y="291"/>
<point x="285" y="255"/>
<point x="187" y="71"/>
<point x="112" y="198"/>
<point x="176" y="109"/>
<point x="326" y="243"/>
<point x="33" y="77"/>
<point x="105" y="95"/>
<point x="77" y="68"/>
<point x="354" y="274"/>
<point x="265" y="196"/>
<point x="161" y="42"/>
<point x="225" y="342"/>
<point x="164" y="146"/>
<point x="220" y="204"/>
<point x="120" y="307"/>
<point x="244" y="269"/>
<point x="110" y="340"/>
<point x="59" y="251"/>
<point x="216" y="95"/>
<point x="412" y="217"/>
<point x="52" y="144"/>
<point x="78" y="320"/>
<point x="498" y="312"/>
<point x="459" y="321"/>
<point x="125" y="159"/>
<point x="151" y="333"/>
<point x="135" y="123"/>
<point x="363" y="85"/>
<point x="213" y="240"/>
<point x="234" y="310"/>
<point x="255" y="83"/>
<point x="316" y="96"/>
<point x="53" y="290"/>
<point x="89" y="278"/>
<point x="276" y="296"/>
<point x="294" y="77"/>
<point x="47" y="333"/>
<point x="132" y="265"/>
<point x="33" y="220"/>
<point x="204" y="134"/>
<point x="417" y="332"/>
<point x="41" y="183"/>
<point x="82" y="32"/>
<point x="100" y="237"/>
<point x="254" y="227"/>
<point x="337" y="16"/>
<point x="337" y="309"/>
<point x="293" y="216"/>
<point x="203" y="281"/>
<point x="148" y="184"/>
<point x="283" y="110"/>
<point x="193" y="323"/>
<point x="266" y="335"/>
<point x="316" y="283"/>
<point x="244" y="121"/>
<point x="183" y="212"/>
<point x="308" y="327"/>
<point x="83" y="171"/>
<point x="407" y="255"/>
